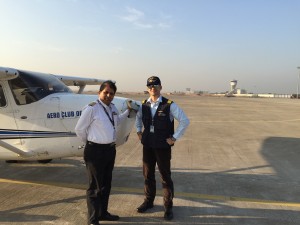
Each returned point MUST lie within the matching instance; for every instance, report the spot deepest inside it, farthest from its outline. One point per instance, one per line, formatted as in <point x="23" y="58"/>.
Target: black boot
<point x="145" y="206"/>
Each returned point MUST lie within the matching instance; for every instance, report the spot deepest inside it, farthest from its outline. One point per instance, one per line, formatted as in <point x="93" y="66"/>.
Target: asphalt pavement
<point x="237" y="164"/>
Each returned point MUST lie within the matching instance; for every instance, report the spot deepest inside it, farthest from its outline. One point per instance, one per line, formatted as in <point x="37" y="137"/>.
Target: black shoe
<point x="168" y="214"/>
<point x="143" y="207"/>
<point x="109" y="217"/>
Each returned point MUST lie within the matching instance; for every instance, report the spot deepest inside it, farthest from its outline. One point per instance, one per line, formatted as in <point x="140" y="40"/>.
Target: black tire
<point x="45" y="161"/>
<point x="11" y="161"/>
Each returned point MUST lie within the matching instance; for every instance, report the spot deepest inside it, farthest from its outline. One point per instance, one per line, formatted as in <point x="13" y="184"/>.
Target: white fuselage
<point x="44" y="129"/>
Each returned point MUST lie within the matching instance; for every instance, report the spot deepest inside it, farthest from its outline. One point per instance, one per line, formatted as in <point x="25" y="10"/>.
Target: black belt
<point x="101" y="145"/>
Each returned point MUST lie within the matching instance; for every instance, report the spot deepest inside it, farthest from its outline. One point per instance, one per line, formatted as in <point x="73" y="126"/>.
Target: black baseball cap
<point x="153" y="81"/>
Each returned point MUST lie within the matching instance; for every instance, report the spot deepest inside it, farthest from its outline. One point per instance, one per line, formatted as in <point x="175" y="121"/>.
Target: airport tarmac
<point x="237" y="164"/>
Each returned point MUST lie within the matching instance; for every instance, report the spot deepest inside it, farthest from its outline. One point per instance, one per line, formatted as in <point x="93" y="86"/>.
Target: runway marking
<point x="177" y="194"/>
<point x="245" y="121"/>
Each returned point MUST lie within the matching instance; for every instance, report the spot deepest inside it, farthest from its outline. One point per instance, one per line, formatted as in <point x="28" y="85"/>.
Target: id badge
<point x="114" y="137"/>
<point x="151" y="129"/>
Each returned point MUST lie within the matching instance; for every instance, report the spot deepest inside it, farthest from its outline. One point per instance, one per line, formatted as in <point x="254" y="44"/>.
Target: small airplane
<point x="38" y="114"/>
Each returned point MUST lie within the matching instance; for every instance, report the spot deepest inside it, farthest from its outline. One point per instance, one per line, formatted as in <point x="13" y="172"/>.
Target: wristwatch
<point x="173" y="139"/>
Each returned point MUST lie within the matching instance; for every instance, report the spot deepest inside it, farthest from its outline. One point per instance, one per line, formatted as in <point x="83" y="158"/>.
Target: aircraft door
<point x="37" y="115"/>
<point x="8" y="127"/>
<point x="6" y="112"/>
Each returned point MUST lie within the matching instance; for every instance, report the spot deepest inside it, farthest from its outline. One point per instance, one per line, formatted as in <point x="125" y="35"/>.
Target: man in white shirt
<point x="97" y="128"/>
<point x="157" y="116"/>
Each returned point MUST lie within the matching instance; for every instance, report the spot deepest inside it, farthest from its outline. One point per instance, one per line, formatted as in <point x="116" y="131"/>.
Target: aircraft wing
<point x="8" y="73"/>
<point x="79" y="81"/>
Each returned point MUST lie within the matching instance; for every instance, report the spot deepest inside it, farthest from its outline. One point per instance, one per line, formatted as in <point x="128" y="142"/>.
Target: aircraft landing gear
<point x="45" y="161"/>
<point x="11" y="161"/>
<point x="18" y="161"/>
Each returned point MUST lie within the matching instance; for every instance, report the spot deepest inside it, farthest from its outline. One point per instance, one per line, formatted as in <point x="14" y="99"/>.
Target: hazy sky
<point x="197" y="44"/>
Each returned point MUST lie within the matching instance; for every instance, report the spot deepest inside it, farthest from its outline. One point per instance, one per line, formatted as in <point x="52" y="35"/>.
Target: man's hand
<point x="171" y="141"/>
<point x="140" y="135"/>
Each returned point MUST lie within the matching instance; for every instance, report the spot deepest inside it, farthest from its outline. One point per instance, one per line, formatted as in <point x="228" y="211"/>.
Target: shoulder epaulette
<point x="170" y="101"/>
<point x="144" y="101"/>
<point x="92" y="104"/>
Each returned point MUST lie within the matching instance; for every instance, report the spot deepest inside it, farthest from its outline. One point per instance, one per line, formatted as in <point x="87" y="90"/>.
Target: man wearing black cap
<point x="157" y="116"/>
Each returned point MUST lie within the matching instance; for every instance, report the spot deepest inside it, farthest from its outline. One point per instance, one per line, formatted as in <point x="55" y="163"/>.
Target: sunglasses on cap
<point x="153" y="86"/>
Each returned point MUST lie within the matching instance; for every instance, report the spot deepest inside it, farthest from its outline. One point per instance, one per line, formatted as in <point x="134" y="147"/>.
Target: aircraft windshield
<point x="30" y="87"/>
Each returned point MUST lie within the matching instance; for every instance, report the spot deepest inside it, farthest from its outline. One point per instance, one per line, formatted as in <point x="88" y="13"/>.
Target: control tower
<point x="233" y="84"/>
<point x="232" y="91"/>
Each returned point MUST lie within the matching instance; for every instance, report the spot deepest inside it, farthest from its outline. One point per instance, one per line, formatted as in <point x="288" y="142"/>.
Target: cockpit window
<point x="30" y="87"/>
<point x="2" y="97"/>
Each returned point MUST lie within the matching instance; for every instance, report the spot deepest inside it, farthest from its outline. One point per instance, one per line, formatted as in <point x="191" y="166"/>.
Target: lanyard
<point x="110" y="119"/>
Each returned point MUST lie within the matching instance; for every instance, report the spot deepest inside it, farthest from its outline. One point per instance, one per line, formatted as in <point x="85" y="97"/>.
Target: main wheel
<point x="45" y="161"/>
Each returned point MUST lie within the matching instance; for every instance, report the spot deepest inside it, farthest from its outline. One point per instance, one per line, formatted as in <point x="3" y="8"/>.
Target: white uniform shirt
<point x="175" y="112"/>
<point x="95" y="126"/>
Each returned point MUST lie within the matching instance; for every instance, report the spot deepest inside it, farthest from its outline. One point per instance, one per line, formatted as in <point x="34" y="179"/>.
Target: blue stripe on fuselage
<point x="17" y="134"/>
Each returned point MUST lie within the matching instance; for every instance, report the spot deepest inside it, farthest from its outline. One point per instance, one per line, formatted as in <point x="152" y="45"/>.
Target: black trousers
<point x="99" y="160"/>
<point x="161" y="157"/>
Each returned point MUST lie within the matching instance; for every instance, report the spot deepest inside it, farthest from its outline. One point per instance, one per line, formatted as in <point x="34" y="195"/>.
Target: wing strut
<point x="15" y="150"/>
<point x="81" y="88"/>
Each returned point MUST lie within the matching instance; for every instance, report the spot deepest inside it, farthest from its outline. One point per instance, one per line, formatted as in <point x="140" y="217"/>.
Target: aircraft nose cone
<point x="129" y="103"/>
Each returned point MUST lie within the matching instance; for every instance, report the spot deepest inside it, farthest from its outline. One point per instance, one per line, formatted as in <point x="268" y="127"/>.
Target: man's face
<point x="106" y="95"/>
<point x="154" y="90"/>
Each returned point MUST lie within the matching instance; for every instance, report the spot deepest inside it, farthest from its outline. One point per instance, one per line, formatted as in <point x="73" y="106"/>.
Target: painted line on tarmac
<point x="178" y="194"/>
<point x="44" y="183"/>
<point x="245" y="121"/>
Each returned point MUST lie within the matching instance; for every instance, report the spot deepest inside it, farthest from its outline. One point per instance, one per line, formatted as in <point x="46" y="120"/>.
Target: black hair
<point x="109" y="83"/>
